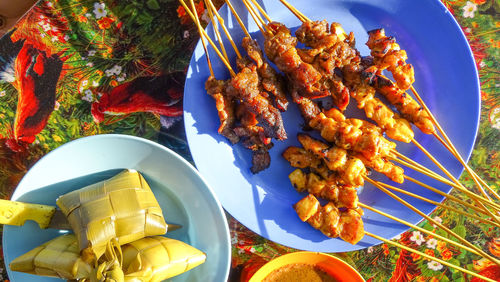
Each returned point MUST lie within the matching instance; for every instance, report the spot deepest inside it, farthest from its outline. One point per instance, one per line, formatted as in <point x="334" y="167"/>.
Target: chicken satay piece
<point x="225" y="108"/>
<point x="245" y="87"/>
<point x="387" y="168"/>
<point x="300" y="158"/>
<point x="351" y="226"/>
<point x="314" y="184"/>
<point x="342" y="195"/>
<point x="393" y="125"/>
<point x="352" y="134"/>
<point x="330" y="220"/>
<point x="404" y="103"/>
<point x="351" y="169"/>
<point x="387" y="54"/>
<point x="271" y="81"/>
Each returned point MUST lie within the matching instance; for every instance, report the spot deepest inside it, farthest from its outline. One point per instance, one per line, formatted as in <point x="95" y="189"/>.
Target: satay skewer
<point x="212" y="8"/>
<point x="205" y="35"/>
<point x="216" y="30"/>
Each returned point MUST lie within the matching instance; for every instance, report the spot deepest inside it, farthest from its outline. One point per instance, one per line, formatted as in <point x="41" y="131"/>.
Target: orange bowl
<point x="335" y="267"/>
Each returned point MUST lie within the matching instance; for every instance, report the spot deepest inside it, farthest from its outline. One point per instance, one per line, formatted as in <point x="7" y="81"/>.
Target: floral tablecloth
<point x="74" y="68"/>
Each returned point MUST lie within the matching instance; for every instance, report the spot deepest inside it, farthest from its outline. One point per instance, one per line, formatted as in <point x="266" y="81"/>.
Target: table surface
<point x="100" y="54"/>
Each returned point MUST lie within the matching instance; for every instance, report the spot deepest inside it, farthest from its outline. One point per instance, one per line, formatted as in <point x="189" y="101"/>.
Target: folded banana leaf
<point x="122" y="208"/>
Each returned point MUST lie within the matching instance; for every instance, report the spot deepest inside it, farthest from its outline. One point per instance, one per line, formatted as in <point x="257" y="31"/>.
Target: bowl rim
<point x="315" y="258"/>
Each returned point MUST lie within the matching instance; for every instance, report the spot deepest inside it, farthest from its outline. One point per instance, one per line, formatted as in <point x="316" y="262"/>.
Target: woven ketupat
<point x="158" y="258"/>
<point x="121" y="207"/>
<point x="59" y="257"/>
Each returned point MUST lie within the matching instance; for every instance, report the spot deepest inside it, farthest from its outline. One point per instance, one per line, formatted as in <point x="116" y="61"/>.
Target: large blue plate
<point x="183" y="195"/>
<point x="446" y="78"/>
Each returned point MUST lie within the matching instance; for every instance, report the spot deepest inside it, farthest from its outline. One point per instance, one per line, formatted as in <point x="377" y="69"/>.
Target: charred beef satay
<point x="387" y="54"/>
<point x="281" y="49"/>
<point x="331" y="47"/>
<point x="245" y="88"/>
<point x="271" y="81"/>
<point x="331" y="221"/>
<point x="225" y="108"/>
<point x="404" y="103"/>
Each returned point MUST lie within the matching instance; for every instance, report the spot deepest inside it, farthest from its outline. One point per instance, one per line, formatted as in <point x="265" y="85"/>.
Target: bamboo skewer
<point x="429" y="257"/>
<point x="262" y="11"/>
<point x="203" y="33"/>
<point x="460" y="159"/>
<point x="448" y="196"/>
<point x="449" y="145"/>
<point x="462" y="188"/>
<point x="202" y="39"/>
<point x="254" y="17"/>
<point x="438" y="204"/>
<point x="221" y="21"/>
<point x="240" y="22"/>
<point x="296" y="12"/>
<point x="216" y="30"/>
<point x="423" y="230"/>
<point x="435" y="176"/>
<point x="444" y="228"/>
<point x="472" y="249"/>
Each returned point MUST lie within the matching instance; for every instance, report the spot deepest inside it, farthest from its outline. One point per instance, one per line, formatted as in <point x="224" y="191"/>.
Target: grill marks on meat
<point x="244" y="105"/>
<point x="271" y="81"/>
<point x="404" y="103"/>
<point x="306" y="79"/>
<point x="225" y="108"/>
<point x="388" y="55"/>
<point x="245" y="88"/>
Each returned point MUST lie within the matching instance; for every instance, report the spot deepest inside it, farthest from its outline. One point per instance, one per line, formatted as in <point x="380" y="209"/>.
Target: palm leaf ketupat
<point x="59" y="257"/>
<point x="157" y="258"/>
<point x="122" y="207"/>
<point x="153" y="258"/>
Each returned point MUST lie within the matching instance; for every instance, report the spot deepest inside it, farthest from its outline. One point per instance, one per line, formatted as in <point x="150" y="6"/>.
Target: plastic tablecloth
<point x="96" y="67"/>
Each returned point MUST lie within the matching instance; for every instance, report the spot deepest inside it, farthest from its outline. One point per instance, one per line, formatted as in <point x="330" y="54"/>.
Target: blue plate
<point x="184" y="196"/>
<point x="446" y="78"/>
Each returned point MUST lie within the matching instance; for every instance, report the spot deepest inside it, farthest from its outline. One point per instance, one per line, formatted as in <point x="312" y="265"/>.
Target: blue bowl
<point x="446" y="78"/>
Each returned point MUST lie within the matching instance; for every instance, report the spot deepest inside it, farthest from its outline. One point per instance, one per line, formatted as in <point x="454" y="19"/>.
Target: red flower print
<point x="105" y="22"/>
<point x="447" y="254"/>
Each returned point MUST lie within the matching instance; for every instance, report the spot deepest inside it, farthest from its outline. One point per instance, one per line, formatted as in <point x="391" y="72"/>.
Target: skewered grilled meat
<point x="388" y="55"/>
<point x="330" y="220"/>
<point x="342" y="195"/>
<point x="244" y="87"/>
<point x="329" y="46"/>
<point x="271" y="81"/>
<point x="225" y="108"/>
<point x="350" y="169"/>
<point x="352" y="134"/>
<point x="308" y="81"/>
<point x="405" y="104"/>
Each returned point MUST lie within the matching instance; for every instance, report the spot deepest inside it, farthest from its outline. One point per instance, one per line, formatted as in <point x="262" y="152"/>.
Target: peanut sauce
<point x="299" y="272"/>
